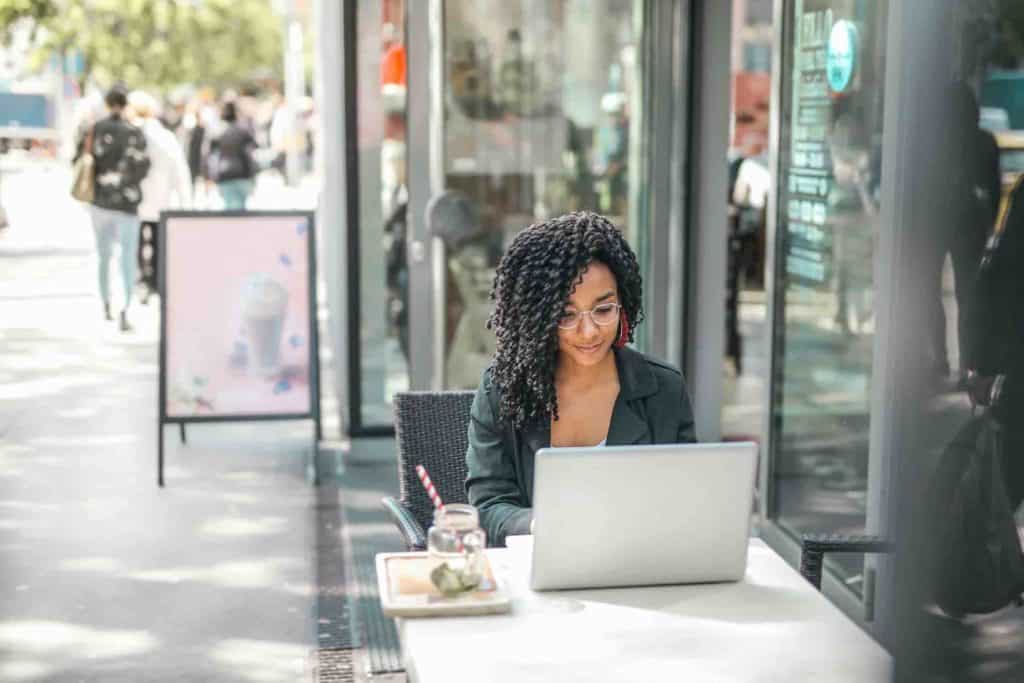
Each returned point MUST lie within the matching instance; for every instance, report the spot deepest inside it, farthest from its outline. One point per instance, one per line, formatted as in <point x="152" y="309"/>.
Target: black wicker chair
<point x="432" y="430"/>
<point x="814" y="546"/>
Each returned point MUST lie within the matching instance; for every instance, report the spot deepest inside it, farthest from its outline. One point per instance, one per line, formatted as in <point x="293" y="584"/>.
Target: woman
<point x="567" y="300"/>
<point x="168" y="184"/>
<point x="120" y="162"/>
<point x="231" y="162"/>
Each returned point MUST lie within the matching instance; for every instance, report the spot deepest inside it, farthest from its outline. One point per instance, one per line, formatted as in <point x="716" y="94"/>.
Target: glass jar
<point x="456" y="544"/>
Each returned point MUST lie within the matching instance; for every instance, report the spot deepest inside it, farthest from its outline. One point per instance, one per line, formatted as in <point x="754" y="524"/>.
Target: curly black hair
<point x="534" y="280"/>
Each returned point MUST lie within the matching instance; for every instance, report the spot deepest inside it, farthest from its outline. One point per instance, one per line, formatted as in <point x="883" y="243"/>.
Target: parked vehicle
<point x="27" y="122"/>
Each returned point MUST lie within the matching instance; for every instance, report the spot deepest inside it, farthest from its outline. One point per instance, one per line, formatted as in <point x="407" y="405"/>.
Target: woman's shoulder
<point x="662" y="368"/>
<point x="662" y="388"/>
<point x="650" y="378"/>
<point x="487" y="401"/>
<point x="662" y="371"/>
<point x="671" y="383"/>
<point x="486" y="379"/>
<point x="488" y="386"/>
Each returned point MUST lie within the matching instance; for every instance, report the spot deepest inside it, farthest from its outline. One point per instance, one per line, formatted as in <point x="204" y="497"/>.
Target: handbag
<point x="978" y="561"/>
<point x="83" y="173"/>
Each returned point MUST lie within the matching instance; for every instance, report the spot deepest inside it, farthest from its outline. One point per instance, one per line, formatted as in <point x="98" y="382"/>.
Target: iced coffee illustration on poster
<point x="264" y="309"/>
<point x="238" y="316"/>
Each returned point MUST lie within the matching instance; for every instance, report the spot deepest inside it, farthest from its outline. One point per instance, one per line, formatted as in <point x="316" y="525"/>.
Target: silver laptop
<point x="641" y="515"/>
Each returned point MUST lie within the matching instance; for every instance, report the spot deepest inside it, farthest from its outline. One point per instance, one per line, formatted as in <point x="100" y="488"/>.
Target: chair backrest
<point x="432" y="429"/>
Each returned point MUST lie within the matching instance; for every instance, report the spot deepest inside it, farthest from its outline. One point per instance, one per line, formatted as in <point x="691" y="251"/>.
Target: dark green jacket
<point x="652" y="407"/>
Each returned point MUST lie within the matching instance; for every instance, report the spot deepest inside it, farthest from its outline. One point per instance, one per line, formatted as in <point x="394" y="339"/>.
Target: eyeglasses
<point x="604" y="314"/>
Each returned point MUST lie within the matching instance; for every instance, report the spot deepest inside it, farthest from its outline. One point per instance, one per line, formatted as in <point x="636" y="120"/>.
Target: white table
<point x="772" y="626"/>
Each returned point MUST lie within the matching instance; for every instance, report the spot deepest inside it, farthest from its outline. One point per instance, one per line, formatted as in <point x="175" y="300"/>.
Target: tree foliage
<point x="157" y="44"/>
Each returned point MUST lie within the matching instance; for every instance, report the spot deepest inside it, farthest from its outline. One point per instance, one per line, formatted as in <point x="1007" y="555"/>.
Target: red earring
<point x="623" y="331"/>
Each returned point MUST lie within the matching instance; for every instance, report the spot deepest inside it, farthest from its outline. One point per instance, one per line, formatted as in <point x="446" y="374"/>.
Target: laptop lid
<point x="641" y="515"/>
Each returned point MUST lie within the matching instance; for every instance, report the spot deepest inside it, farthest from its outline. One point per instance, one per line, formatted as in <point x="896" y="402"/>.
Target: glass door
<point x="377" y="200"/>
<point x="828" y="204"/>
<point x="518" y="111"/>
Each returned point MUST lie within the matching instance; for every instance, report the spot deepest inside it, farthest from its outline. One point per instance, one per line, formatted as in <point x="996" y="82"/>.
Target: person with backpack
<point x="976" y="559"/>
<point x="120" y="163"/>
<point x="231" y="161"/>
<point x="196" y="144"/>
<point x="970" y="197"/>
<point x="996" y="377"/>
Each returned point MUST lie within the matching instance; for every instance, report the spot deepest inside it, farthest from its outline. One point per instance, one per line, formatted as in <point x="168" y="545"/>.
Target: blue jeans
<point x="110" y="228"/>
<point x="235" y="193"/>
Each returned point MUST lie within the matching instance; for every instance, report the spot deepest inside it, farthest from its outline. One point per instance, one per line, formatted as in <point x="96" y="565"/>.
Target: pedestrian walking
<point x="231" y="160"/>
<point x="279" y="134"/>
<point x="196" y="143"/>
<point x="120" y="163"/>
<point x="970" y="196"/>
<point x="168" y="185"/>
<point x="996" y="321"/>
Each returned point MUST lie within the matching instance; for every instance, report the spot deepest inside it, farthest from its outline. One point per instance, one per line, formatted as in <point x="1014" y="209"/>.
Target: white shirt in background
<point x="168" y="185"/>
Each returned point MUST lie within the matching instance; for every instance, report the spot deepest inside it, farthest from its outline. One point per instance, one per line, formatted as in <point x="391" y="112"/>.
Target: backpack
<point x="978" y="564"/>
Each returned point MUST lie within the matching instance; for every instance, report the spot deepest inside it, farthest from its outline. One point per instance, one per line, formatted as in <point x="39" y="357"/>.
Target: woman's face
<point x="587" y="343"/>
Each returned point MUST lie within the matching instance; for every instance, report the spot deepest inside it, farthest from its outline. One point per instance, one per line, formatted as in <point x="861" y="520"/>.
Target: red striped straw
<point x="429" y="486"/>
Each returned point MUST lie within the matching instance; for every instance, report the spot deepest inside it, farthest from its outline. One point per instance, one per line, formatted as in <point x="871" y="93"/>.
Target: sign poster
<point x="237" y="332"/>
<point x="808" y="258"/>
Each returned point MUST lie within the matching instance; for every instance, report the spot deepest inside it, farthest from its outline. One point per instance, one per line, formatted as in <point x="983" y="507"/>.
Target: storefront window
<point x="542" y="117"/>
<point x="827" y="225"/>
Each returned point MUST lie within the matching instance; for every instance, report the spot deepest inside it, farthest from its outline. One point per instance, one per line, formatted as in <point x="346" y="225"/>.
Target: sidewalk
<point x="106" y="576"/>
<point x="44" y="218"/>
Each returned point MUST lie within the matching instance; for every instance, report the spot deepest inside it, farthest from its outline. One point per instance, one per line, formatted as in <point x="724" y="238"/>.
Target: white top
<point x="168" y="185"/>
<point x="771" y="627"/>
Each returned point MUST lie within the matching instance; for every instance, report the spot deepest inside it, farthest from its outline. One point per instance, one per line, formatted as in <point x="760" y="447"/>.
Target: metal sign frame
<point x="313" y="336"/>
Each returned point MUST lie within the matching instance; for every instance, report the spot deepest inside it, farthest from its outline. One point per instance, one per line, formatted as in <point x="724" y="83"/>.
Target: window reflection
<point x="540" y="109"/>
<point x="383" y="196"/>
<point x="971" y="277"/>
<point x="830" y="162"/>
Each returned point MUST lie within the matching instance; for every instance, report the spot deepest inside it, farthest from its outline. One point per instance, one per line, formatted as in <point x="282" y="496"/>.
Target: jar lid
<point x="457" y="516"/>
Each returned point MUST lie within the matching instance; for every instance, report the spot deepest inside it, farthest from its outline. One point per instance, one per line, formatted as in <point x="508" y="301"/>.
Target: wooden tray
<point x="403" y="581"/>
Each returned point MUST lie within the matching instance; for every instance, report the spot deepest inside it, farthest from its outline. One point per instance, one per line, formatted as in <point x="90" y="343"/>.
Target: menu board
<point x="808" y="256"/>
